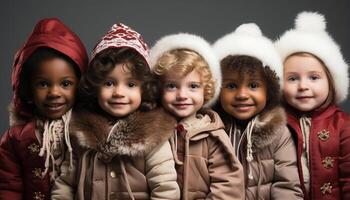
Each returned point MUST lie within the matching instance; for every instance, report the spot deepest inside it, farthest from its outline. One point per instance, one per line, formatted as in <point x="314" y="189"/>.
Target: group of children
<point x="244" y="118"/>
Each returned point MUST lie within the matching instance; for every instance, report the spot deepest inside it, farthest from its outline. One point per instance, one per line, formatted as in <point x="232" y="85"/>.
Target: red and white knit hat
<point x="119" y="36"/>
<point x="310" y="36"/>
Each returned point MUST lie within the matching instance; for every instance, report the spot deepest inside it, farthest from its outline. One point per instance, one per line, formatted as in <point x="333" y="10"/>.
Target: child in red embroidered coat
<point x="315" y="81"/>
<point x="45" y="76"/>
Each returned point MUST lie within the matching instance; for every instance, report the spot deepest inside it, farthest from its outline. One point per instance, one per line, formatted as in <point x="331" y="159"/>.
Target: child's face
<point x="120" y="93"/>
<point x="183" y="96"/>
<point x="243" y="99"/>
<point x="306" y="84"/>
<point x="53" y="85"/>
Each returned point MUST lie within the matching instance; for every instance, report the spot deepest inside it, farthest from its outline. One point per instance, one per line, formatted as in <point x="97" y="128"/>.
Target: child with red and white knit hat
<point x="315" y="79"/>
<point x="121" y="142"/>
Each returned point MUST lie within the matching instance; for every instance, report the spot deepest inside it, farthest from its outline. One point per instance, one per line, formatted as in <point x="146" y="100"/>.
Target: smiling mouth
<point x="182" y="105"/>
<point x="304" y="97"/>
<point x="243" y="107"/>
<point x="54" y="107"/>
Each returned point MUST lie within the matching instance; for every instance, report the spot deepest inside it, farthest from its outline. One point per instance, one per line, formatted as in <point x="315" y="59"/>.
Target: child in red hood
<point x="46" y="72"/>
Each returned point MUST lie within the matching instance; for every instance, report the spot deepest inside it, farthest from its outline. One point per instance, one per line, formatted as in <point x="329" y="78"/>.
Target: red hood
<point x="50" y="33"/>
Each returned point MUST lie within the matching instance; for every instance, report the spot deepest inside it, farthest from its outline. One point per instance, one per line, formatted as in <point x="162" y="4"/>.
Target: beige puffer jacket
<point x="206" y="165"/>
<point x="273" y="169"/>
<point x="134" y="162"/>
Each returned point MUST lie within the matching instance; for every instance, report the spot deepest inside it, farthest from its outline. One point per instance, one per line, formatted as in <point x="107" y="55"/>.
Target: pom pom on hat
<point x="249" y="29"/>
<point x="310" y="21"/>
<point x="248" y="40"/>
<point x="310" y="36"/>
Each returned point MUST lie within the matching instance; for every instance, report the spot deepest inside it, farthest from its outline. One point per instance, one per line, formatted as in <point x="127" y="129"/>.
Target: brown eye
<point x="231" y="86"/>
<point x="66" y="83"/>
<point x="42" y="84"/>
<point x="254" y="85"/>
<point x="170" y="86"/>
<point x="108" y="83"/>
<point x="194" y="85"/>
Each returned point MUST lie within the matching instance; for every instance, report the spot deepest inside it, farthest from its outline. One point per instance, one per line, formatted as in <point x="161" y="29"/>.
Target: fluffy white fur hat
<point x="194" y="43"/>
<point x="248" y="40"/>
<point x="310" y="36"/>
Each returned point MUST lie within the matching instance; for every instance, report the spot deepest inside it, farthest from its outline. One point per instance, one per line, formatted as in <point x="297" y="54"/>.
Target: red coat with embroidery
<point x="329" y="162"/>
<point x="20" y="164"/>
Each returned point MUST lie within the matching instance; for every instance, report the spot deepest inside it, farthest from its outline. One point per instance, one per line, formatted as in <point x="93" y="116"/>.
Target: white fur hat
<point x="194" y="43"/>
<point x="248" y="40"/>
<point x="310" y="36"/>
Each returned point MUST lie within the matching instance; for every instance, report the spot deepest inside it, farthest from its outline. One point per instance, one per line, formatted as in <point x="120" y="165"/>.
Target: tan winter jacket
<point x="208" y="168"/>
<point x="134" y="162"/>
<point x="274" y="165"/>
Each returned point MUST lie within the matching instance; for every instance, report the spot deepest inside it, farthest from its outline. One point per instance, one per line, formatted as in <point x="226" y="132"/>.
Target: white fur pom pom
<point x="249" y="29"/>
<point x="310" y="21"/>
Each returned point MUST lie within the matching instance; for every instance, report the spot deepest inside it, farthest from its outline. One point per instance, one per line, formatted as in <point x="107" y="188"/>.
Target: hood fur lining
<point x="268" y="126"/>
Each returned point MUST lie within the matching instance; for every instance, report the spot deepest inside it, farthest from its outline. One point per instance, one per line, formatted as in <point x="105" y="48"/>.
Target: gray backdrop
<point x="91" y="19"/>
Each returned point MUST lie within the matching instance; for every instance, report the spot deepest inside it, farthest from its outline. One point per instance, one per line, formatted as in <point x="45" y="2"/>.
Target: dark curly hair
<point x="102" y="64"/>
<point x="247" y="65"/>
<point x="33" y="61"/>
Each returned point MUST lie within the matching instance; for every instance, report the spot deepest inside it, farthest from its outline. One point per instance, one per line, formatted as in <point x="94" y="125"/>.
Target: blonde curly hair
<point x="182" y="62"/>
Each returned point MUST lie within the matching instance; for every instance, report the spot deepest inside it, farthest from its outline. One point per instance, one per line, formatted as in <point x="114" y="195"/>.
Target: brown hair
<point x="182" y="62"/>
<point x="103" y="63"/>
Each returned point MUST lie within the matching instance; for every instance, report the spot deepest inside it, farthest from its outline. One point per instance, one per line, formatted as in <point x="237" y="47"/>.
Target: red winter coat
<point x="329" y="153"/>
<point x="20" y="164"/>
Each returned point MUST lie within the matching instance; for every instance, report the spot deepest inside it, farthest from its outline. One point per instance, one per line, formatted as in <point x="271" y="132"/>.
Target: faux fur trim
<point x="195" y="43"/>
<point x="269" y="125"/>
<point x="248" y="40"/>
<point x="134" y="135"/>
<point x="310" y="35"/>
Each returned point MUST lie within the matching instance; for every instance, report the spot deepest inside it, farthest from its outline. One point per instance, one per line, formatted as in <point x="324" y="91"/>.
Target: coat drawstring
<point x="186" y="165"/>
<point x="53" y="134"/>
<point x="248" y="131"/>
<point x="173" y="143"/>
<point x="125" y="175"/>
<point x="250" y="157"/>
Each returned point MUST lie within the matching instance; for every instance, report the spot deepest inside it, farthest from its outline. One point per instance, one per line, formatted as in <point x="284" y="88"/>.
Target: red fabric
<point x="336" y="146"/>
<point x="17" y="164"/>
<point x="50" y="33"/>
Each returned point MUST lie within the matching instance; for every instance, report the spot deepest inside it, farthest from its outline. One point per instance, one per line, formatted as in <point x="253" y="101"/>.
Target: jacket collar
<point x="133" y="135"/>
<point x="268" y="126"/>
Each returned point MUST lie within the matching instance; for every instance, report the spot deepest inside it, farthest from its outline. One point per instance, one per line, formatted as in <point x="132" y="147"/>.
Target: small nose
<point x="54" y="91"/>
<point x="181" y="94"/>
<point x="302" y="86"/>
<point x="118" y="91"/>
<point x="242" y="94"/>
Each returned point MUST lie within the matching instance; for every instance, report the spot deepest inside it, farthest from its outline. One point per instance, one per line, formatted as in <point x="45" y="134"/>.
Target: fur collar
<point x="268" y="126"/>
<point x="133" y="135"/>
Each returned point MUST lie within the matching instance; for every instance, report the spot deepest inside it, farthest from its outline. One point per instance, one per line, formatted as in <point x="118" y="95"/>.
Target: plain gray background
<point x="91" y="19"/>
